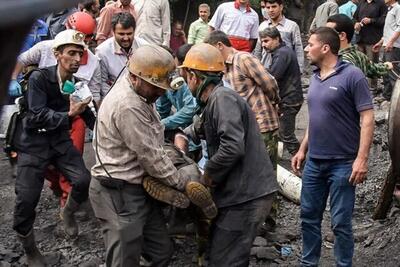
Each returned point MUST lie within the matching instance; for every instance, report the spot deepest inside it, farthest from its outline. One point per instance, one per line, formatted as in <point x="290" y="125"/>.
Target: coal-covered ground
<point x="377" y="242"/>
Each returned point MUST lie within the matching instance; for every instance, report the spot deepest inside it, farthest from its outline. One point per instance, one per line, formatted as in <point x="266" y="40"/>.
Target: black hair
<point x="87" y="4"/>
<point x="177" y="22"/>
<point x="125" y="19"/>
<point x="279" y="2"/>
<point x="343" y="24"/>
<point x="182" y="51"/>
<point x="217" y="36"/>
<point x="271" y="32"/>
<point x="328" y="36"/>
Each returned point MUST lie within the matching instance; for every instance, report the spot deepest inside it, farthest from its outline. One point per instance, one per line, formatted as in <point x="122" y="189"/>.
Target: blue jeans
<point x="322" y="177"/>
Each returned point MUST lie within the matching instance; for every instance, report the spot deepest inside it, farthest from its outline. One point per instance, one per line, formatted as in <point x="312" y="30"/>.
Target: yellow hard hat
<point x="204" y="57"/>
<point x="153" y="64"/>
<point x="69" y="37"/>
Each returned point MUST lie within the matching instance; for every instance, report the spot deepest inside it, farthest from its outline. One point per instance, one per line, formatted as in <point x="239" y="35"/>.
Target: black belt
<point x="113" y="183"/>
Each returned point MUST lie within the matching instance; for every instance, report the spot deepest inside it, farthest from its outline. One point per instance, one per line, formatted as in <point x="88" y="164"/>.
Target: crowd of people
<point x="193" y="121"/>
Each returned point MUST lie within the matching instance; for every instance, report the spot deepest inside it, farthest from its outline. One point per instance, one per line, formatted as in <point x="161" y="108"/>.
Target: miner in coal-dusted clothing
<point x="132" y="166"/>
<point x="44" y="139"/>
<point x="239" y="170"/>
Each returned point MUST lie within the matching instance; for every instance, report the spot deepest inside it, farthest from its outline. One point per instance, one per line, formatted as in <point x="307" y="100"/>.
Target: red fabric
<point x="175" y="42"/>
<point x="84" y="58"/>
<point x="240" y="44"/>
<point x="58" y="183"/>
<point x="237" y="6"/>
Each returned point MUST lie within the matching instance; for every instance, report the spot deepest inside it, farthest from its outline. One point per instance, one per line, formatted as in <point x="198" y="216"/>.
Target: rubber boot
<point x="165" y="193"/>
<point x="67" y="215"/>
<point x="201" y="197"/>
<point x="34" y="258"/>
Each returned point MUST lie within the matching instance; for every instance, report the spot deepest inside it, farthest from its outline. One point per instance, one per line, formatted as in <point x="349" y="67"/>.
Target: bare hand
<point x="389" y="65"/>
<point x="297" y="161"/>
<point x="376" y="47"/>
<point x="366" y="21"/>
<point x="360" y="169"/>
<point x="206" y="180"/>
<point x="76" y="108"/>
<point x="357" y="26"/>
<point x="389" y="46"/>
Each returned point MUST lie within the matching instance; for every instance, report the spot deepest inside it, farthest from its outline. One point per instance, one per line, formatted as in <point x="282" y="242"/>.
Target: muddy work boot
<point x="201" y="197"/>
<point x="34" y="258"/>
<point x="165" y="193"/>
<point x="68" y="217"/>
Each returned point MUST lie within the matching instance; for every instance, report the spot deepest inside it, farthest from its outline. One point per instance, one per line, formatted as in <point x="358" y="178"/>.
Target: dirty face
<point x="315" y="50"/>
<point x="274" y="10"/>
<point x="269" y="44"/>
<point x="192" y="81"/>
<point x="124" y="37"/>
<point x="147" y="90"/>
<point x="204" y="13"/>
<point x="69" y="57"/>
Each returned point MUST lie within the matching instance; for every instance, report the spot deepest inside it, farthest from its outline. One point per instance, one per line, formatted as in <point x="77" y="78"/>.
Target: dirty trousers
<point x="234" y="231"/>
<point x="132" y="225"/>
<point x="30" y="179"/>
<point x="57" y="181"/>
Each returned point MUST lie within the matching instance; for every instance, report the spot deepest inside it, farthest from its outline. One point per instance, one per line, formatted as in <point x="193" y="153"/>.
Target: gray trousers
<point x="287" y="126"/>
<point x="132" y="225"/>
<point x="234" y="232"/>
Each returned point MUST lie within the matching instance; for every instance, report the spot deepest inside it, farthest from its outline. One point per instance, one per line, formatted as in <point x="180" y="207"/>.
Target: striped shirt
<point x="360" y="60"/>
<point x="248" y="77"/>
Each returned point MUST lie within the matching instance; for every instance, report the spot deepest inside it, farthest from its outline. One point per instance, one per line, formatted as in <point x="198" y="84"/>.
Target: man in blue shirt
<point x="186" y="107"/>
<point x="338" y="139"/>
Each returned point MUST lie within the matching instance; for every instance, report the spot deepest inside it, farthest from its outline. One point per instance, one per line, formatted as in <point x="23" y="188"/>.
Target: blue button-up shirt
<point x="186" y="106"/>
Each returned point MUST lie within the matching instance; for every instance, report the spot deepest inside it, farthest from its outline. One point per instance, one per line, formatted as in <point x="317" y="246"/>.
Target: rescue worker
<point x="41" y="54"/>
<point x="89" y="72"/>
<point x="130" y="160"/>
<point x="239" y="169"/>
<point x="44" y="139"/>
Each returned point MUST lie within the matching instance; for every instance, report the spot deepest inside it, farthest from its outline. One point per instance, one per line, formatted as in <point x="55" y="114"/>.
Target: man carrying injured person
<point x="239" y="170"/>
<point x="130" y="160"/>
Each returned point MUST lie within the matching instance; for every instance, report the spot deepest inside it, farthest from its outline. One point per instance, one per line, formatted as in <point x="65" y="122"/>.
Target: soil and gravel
<point x="377" y="242"/>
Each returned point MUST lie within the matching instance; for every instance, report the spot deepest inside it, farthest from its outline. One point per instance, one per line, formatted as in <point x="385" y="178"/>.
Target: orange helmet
<point x="153" y="64"/>
<point x="82" y="22"/>
<point x="204" y="57"/>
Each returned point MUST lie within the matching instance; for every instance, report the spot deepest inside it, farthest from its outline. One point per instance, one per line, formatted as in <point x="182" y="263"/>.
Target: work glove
<point x="207" y="180"/>
<point x="14" y="89"/>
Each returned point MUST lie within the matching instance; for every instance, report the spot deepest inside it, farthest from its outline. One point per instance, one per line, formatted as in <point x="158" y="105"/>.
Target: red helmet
<point x="82" y="22"/>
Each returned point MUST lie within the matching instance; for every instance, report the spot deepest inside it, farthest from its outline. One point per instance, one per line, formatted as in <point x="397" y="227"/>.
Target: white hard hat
<point x="69" y="37"/>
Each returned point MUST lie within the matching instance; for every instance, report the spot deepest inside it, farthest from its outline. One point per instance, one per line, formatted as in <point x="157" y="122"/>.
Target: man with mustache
<point x="44" y="139"/>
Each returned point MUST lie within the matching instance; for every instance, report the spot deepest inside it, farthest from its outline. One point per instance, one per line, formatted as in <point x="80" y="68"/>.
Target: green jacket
<point x="360" y="60"/>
